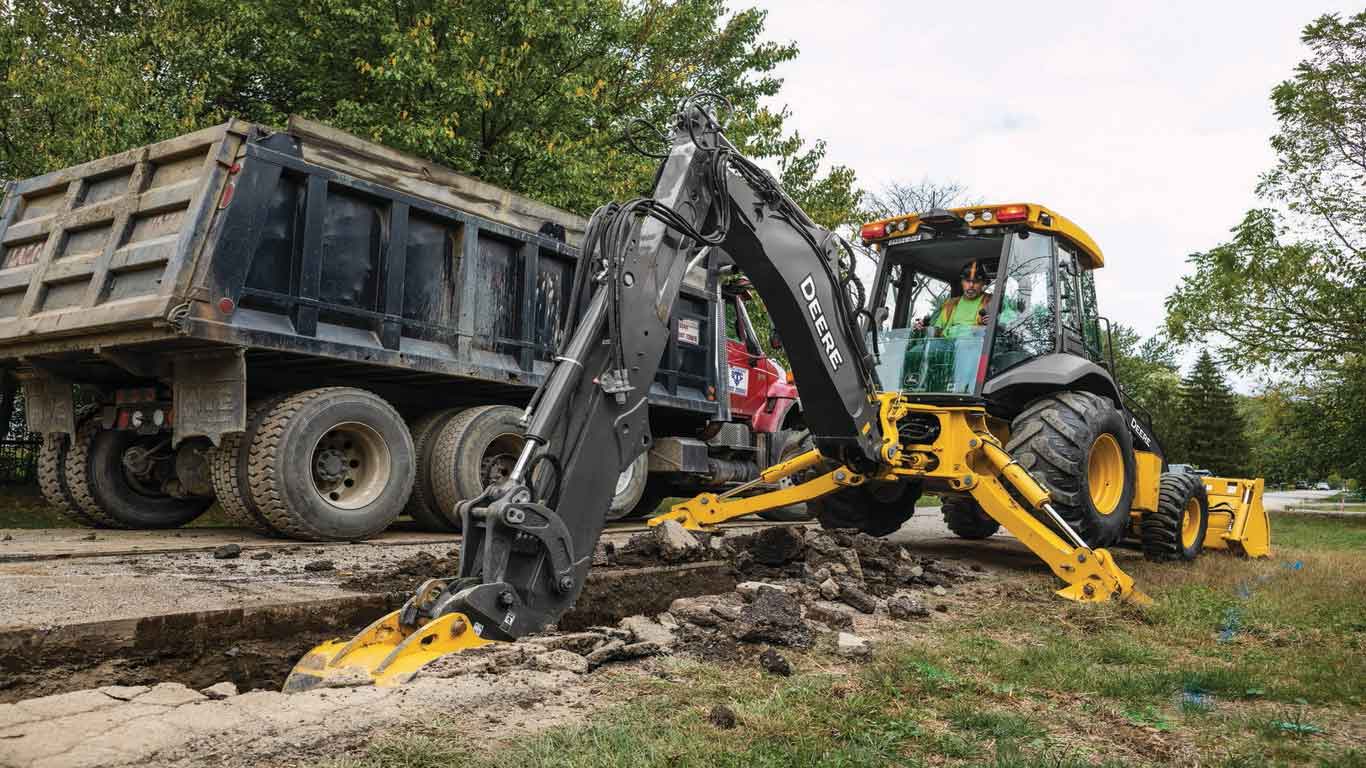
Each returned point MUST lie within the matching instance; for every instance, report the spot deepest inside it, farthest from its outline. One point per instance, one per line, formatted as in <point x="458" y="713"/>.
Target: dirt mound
<point x="405" y="575"/>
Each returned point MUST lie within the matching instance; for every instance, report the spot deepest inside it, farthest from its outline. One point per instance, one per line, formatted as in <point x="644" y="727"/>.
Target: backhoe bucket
<point x="385" y="653"/>
<point x="1237" y="519"/>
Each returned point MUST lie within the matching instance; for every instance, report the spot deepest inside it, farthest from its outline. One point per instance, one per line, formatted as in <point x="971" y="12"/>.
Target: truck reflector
<point x="1011" y="213"/>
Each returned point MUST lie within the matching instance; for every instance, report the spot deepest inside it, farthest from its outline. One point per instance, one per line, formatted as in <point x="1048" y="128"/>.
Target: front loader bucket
<point x="384" y="653"/>
<point x="1237" y="519"/>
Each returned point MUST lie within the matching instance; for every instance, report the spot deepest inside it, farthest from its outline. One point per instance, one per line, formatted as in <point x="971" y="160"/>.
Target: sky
<point x="1146" y="123"/>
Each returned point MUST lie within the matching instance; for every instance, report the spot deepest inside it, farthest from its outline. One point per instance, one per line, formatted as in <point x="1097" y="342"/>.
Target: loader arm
<point x="529" y="541"/>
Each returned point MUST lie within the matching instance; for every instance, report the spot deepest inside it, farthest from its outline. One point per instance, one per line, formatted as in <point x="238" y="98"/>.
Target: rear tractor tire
<point x="334" y="463"/>
<point x="964" y="516"/>
<point x="1077" y="445"/>
<point x="1176" y="531"/>
<point x="119" y="479"/>
<point x="877" y="509"/>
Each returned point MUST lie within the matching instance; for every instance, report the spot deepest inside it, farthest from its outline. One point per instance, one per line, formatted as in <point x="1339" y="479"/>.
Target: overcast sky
<point x="1147" y="123"/>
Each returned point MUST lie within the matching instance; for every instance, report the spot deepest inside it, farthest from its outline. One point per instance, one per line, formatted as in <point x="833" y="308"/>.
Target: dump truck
<point x="903" y="394"/>
<point x="323" y="333"/>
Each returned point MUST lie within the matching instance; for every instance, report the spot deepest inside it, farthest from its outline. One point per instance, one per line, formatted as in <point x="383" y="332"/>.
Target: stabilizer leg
<point x="707" y="509"/>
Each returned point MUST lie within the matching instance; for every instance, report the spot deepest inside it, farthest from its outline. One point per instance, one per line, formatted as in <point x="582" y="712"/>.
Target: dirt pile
<point x="405" y="575"/>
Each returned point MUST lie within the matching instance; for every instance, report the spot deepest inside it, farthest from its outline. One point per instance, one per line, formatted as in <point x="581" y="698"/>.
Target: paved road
<point x="1278" y="501"/>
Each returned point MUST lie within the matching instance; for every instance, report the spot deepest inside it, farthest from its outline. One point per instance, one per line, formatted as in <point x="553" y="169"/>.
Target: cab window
<point x="1026" y="326"/>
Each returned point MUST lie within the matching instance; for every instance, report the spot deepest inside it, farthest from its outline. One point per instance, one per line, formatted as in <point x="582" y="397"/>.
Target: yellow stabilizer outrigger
<point x="965" y="457"/>
<point x="387" y="652"/>
<point x="1237" y="519"/>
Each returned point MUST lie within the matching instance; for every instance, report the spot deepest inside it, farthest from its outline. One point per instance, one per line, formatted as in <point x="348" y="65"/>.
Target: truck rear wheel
<point x="877" y="509"/>
<point x="331" y="463"/>
<point x="475" y="449"/>
<point x="964" y="516"/>
<point x="422" y="506"/>
<point x="630" y="487"/>
<point x="227" y="464"/>
<point x="52" y="480"/>
<point x="1077" y="445"/>
<point x="1176" y="530"/>
<point x="117" y="477"/>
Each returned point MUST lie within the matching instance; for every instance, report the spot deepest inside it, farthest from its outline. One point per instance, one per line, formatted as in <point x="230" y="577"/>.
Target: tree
<point x="900" y="197"/>
<point x="1148" y="371"/>
<point x="1289" y="288"/>
<point x="533" y="95"/>
<point x="1213" y="434"/>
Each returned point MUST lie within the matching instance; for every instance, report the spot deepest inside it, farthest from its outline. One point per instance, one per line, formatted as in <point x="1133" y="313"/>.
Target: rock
<point x="560" y="660"/>
<point x="850" y="558"/>
<point x="168" y="695"/>
<point x="223" y="690"/>
<point x="830" y="614"/>
<point x="7" y="537"/>
<point x="667" y="620"/>
<point x="645" y="629"/>
<point x="725" y="612"/>
<point x="942" y="608"/>
<point x="903" y="606"/>
<point x="722" y="717"/>
<point x="750" y="589"/>
<point x="775" y="663"/>
<point x="261" y="556"/>
<point x="581" y="643"/>
<point x="820" y="574"/>
<point x="777" y="546"/>
<point x="716" y="545"/>
<point x="774" y="617"/>
<point x="917" y="571"/>
<point x="853" y="646"/>
<point x="227" y="552"/>
<point x="692" y="611"/>
<point x="857" y="598"/>
<point x="675" y="541"/>
<point x="318" y="565"/>
<point x="609" y="650"/>
<point x="940" y="591"/>
<point x="643" y="648"/>
<point x="829" y="589"/>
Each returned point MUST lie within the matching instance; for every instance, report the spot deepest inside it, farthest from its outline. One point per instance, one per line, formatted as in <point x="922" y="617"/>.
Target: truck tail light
<point x="1010" y="213"/>
<point x="789" y="378"/>
<point x="872" y="231"/>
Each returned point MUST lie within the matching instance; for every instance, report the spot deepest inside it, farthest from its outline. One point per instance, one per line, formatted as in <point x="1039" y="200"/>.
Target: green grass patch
<point x="1332" y="534"/>
<point x="23" y="506"/>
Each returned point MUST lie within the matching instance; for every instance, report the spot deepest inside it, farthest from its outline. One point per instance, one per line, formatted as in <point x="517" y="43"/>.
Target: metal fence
<point x="19" y="461"/>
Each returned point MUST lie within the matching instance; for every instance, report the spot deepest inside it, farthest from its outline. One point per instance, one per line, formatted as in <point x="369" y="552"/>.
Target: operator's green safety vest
<point x="959" y="315"/>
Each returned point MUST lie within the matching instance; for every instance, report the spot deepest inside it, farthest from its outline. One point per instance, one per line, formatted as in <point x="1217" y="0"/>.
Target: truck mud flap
<point x="48" y="404"/>
<point x="210" y="394"/>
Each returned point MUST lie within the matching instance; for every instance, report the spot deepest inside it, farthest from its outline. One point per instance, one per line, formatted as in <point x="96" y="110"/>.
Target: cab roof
<point x="1036" y="217"/>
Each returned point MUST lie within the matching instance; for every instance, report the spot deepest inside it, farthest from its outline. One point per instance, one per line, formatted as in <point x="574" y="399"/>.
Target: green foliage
<point x="533" y="95"/>
<point x="1147" y="369"/>
<point x="1213" y="434"/>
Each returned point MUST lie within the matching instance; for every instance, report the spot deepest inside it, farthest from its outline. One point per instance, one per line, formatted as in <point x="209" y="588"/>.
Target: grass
<point x="1239" y="663"/>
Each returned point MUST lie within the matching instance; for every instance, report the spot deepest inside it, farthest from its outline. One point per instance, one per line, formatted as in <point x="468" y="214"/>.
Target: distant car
<point x="1323" y="487"/>
<point x="1189" y="469"/>
<point x="1301" y="485"/>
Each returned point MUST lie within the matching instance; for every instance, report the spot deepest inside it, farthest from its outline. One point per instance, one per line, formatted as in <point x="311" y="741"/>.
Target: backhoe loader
<point x="892" y="410"/>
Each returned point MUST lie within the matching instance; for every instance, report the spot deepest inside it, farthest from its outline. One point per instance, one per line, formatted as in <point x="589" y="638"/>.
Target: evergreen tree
<point x="1213" y="434"/>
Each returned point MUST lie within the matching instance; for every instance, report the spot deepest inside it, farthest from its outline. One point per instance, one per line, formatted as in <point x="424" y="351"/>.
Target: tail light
<point x="1010" y="213"/>
<point x="872" y="231"/>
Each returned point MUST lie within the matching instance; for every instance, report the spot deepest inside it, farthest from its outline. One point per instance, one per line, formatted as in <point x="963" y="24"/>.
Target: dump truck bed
<point x="324" y="257"/>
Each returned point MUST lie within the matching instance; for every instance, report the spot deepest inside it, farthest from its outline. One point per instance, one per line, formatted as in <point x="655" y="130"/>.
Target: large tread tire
<point x="229" y="482"/>
<point x="281" y="455"/>
<point x="626" y="498"/>
<point x="794" y="443"/>
<point x="422" y="505"/>
<point x="96" y="480"/>
<point x="1160" y="531"/>
<point x="877" y="509"/>
<point x="1053" y="438"/>
<point x="964" y="516"/>
<point x="52" y="480"/>
<point x="458" y="453"/>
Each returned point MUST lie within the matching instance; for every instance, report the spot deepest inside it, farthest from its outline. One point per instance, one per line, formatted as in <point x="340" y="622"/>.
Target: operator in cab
<point x="966" y="313"/>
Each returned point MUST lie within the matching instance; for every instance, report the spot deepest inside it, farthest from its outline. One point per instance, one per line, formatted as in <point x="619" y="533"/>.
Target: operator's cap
<point x="975" y="270"/>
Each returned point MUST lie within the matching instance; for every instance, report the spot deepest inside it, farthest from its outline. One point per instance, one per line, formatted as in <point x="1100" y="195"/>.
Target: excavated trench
<point x="256" y="647"/>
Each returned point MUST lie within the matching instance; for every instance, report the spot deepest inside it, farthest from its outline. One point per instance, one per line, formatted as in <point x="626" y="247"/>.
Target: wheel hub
<point x="1105" y="474"/>
<point x="350" y="465"/>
